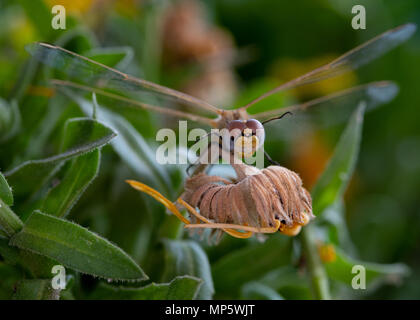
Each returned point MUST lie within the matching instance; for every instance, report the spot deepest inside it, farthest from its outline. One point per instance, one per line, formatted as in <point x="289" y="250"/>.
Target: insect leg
<point x="236" y="226"/>
<point x="233" y="233"/>
<point x="209" y="154"/>
<point x="159" y="197"/>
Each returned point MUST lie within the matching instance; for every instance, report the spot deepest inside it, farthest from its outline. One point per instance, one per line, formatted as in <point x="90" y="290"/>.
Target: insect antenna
<point x="269" y="120"/>
<point x="277" y="118"/>
<point x="273" y="162"/>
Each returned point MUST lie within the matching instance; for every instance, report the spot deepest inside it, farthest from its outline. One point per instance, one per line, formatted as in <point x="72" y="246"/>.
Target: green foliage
<point x="9" y="119"/>
<point x="258" y="291"/>
<point x="341" y="269"/>
<point x="35" y="289"/>
<point x="64" y="157"/>
<point x="75" y="247"/>
<point x="184" y="257"/>
<point x="38" y="11"/>
<point x="9" y="221"/>
<point x="180" y="288"/>
<point x="5" y="191"/>
<point x="81" y="171"/>
<point x="229" y="272"/>
<point x="80" y="136"/>
<point x="333" y="182"/>
<point x="129" y="145"/>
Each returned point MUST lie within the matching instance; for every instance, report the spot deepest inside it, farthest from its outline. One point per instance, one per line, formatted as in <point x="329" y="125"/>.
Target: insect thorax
<point x="229" y="115"/>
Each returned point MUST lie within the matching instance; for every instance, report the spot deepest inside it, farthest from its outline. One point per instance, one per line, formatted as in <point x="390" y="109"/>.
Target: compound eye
<point x="254" y="125"/>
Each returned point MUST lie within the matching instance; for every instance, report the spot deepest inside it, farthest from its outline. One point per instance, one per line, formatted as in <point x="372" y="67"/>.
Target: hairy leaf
<point x="9" y="221"/>
<point x="180" y="288"/>
<point x="333" y="181"/>
<point x="5" y="191"/>
<point x="10" y="121"/>
<point x="35" y="289"/>
<point x="186" y="257"/>
<point x="229" y="272"/>
<point x="130" y="145"/>
<point x="81" y="135"/>
<point x="8" y="277"/>
<point x="255" y="290"/>
<point x="341" y="266"/>
<point x="76" y="247"/>
<point x="79" y="174"/>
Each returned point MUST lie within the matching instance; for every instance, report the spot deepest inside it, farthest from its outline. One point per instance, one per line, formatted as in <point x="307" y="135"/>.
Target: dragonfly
<point x="91" y="76"/>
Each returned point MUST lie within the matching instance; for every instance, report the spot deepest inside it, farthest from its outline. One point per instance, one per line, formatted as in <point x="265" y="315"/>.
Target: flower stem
<point x="9" y="221"/>
<point x="318" y="275"/>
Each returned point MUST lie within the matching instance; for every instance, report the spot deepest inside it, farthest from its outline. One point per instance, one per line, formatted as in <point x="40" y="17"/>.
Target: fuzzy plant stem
<point x="9" y="221"/>
<point x="317" y="272"/>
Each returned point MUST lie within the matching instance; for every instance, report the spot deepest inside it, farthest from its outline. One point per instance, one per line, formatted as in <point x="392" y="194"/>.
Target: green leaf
<point x="257" y="291"/>
<point x="85" y="134"/>
<point x="283" y="277"/>
<point x="333" y="181"/>
<point x="35" y="289"/>
<point x="38" y="266"/>
<point x="341" y="267"/>
<point x="130" y="145"/>
<point x="42" y="128"/>
<point x="180" y="288"/>
<point x="186" y="257"/>
<point x="79" y="174"/>
<point x="256" y="89"/>
<point x="8" y="277"/>
<point x="116" y="57"/>
<point x="287" y="281"/>
<point x="38" y="13"/>
<point x="10" y="120"/>
<point x="336" y="227"/>
<point x="5" y="191"/>
<point x="250" y="263"/>
<point x="81" y="135"/>
<point x="9" y="254"/>
<point x="76" y="247"/>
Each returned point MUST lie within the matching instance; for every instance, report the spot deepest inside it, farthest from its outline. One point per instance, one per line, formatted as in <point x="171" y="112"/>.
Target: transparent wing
<point x="331" y="109"/>
<point x="102" y="77"/>
<point x="131" y="103"/>
<point x="351" y="60"/>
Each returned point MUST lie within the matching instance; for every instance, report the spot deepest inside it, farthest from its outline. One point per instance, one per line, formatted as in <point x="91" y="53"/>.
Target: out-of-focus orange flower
<point x="327" y="253"/>
<point x="40" y="91"/>
<point x="309" y="157"/>
<point x="288" y="68"/>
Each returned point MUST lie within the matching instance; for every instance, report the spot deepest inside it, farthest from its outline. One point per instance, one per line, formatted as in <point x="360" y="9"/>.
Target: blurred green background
<point x="228" y="51"/>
